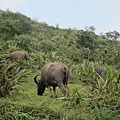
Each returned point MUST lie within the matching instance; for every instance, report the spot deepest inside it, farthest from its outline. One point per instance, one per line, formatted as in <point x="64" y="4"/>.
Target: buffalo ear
<point x="35" y="79"/>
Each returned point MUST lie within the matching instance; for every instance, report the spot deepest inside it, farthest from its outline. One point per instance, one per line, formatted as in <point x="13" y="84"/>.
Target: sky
<point x="104" y="15"/>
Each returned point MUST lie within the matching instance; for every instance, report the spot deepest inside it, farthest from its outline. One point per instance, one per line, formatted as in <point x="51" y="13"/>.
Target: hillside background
<point x="80" y="50"/>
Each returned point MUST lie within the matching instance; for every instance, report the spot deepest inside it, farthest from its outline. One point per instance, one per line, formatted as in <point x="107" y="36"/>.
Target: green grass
<point x="27" y="97"/>
<point x="26" y="104"/>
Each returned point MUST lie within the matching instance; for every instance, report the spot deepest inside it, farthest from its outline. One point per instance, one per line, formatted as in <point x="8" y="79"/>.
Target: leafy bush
<point x="10" y="74"/>
<point x="10" y="27"/>
<point x="86" y="39"/>
<point x="105" y="92"/>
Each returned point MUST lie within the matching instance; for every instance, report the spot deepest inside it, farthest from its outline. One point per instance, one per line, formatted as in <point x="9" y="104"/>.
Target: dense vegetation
<point x="89" y="97"/>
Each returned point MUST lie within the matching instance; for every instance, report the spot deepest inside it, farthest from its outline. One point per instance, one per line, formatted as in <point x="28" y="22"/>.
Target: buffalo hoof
<point x="51" y="96"/>
<point x="55" y="96"/>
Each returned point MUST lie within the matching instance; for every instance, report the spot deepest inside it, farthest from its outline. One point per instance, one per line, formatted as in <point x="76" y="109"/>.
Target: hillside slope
<point x="89" y="96"/>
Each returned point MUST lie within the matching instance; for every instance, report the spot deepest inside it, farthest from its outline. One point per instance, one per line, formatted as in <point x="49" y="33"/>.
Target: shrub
<point x="10" y="74"/>
<point x="105" y="92"/>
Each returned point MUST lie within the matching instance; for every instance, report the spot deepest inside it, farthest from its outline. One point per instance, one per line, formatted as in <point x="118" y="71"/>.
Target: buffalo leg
<point x="54" y="90"/>
<point x="49" y="88"/>
<point x="62" y="87"/>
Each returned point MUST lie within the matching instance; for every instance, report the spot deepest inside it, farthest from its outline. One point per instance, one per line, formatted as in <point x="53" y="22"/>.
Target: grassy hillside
<point x="89" y="97"/>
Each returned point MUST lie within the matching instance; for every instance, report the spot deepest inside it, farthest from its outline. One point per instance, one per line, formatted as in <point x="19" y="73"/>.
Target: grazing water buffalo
<point x="18" y="55"/>
<point x="101" y="70"/>
<point x="53" y="74"/>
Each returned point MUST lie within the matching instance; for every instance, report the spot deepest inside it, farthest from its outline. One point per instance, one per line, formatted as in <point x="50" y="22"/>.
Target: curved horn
<point x="35" y="79"/>
<point x="7" y="57"/>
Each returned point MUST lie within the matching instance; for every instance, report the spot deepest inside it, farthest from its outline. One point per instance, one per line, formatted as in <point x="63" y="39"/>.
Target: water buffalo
<point x="18" y="55"/>
<point x="101" y="70"/>
<point x="53" y="74"/>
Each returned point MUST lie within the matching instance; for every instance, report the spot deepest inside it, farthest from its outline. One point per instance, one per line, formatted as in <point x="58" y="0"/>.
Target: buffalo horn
<point x="35" y="79"/>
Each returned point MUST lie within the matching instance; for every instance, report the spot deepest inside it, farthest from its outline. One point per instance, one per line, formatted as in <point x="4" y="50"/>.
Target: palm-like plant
<point x="106" y="90"/>
<point x="10" y="74"/>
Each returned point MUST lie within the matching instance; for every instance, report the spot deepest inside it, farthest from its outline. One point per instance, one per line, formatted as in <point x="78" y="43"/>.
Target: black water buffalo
<point x="101" y="70"/>
<point x="53" y="74"/>
<point x="18" y="55"/>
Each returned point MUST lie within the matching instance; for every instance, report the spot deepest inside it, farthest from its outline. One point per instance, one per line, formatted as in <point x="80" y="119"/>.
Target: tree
<point x="114" y="35"/>
<point x="86" y="39"/>
<point x="90" y="28"/>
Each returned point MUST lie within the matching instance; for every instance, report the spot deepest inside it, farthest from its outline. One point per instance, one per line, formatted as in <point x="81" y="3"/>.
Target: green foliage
<point x="86" y="39"/>
<point x="26" y="113"/>
<point x="105" y="92"/>
<point x="90" y="96"/>
<point x="10" y="74"/>
<point x="25" y="42"/>
<point x="114" y="35"/>
<point x="13" y="24"/>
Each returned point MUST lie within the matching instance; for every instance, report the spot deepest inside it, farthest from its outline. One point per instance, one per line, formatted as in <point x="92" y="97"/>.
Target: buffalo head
<point x="40" y="86"/>
<point x="101" y="70"/>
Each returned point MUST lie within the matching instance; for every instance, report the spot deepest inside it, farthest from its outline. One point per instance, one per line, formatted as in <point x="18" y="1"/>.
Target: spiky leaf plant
<point x="107" y="89"/>
<point x="10" y="74"/>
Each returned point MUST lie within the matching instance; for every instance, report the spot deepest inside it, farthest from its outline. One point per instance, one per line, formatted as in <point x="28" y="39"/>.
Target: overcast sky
<point x="103" y="14"/>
